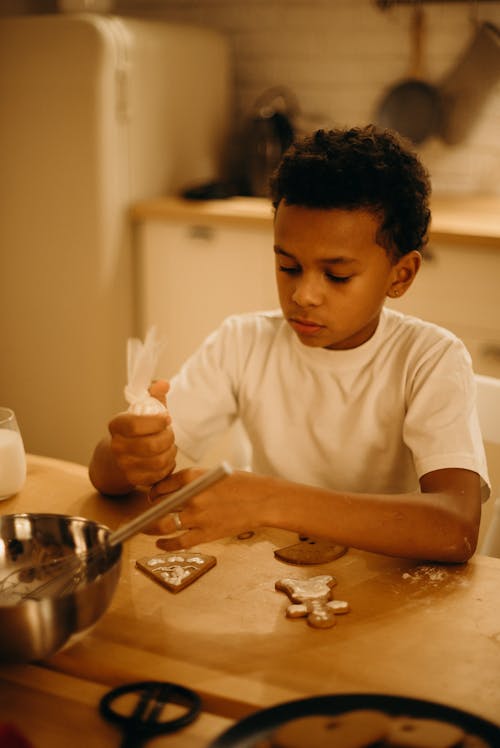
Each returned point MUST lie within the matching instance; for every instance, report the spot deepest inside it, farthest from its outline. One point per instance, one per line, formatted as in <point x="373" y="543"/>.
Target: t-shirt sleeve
<point x="203" y="399"/>
<point x="441" y="425"/>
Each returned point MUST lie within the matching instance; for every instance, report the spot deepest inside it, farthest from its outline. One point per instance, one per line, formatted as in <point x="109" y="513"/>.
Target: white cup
<point x="12" y="455"/>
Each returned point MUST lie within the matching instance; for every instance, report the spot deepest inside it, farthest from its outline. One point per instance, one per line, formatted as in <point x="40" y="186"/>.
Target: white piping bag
<point x="141" y="364"/>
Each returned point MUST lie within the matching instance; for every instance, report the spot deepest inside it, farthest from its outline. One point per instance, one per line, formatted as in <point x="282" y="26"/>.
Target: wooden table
<point x="419" y="630"/>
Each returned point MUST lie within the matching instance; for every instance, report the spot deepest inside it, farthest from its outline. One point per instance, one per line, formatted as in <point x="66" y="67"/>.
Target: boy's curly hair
<point x="361" y="167"/>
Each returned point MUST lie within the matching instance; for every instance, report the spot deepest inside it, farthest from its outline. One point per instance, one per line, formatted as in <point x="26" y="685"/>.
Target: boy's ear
<point x="404" y="272"/>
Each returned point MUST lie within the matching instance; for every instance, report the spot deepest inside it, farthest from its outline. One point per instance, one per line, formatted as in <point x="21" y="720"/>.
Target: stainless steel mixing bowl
<point x="32" y="629"/>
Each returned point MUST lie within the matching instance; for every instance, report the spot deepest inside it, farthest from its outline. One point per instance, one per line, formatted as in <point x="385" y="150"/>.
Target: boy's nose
<point x="307" y="292"/>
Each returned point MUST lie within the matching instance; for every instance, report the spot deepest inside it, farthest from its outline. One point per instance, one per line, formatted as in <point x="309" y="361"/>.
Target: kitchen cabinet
<point x="458" y="287"/>
<point x="192" y="274"/>
<point x="199" y="261"/>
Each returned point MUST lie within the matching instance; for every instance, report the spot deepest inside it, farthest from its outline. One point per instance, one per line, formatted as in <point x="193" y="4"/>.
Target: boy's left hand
<point x="223" y="510"/>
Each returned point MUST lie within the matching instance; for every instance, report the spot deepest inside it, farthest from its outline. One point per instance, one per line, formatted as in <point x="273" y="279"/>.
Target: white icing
<point x="339" y="606"/>
<point x="174" y="574"/>
<point x="297" y="611"/>
<point x="306" y="589"/>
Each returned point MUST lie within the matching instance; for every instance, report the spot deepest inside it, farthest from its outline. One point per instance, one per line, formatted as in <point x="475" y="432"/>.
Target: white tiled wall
<point x="338" y="56"/>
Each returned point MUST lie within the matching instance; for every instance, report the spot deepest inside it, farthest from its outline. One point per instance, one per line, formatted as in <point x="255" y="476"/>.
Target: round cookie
<point x="472" y="741"/>
<point x="357" y="729"/>
<point x="409" y="732"/>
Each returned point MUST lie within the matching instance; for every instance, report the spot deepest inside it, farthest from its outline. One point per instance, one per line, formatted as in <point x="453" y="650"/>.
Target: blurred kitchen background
<point x="96" y="239"/>
<point x="338" y="56"/>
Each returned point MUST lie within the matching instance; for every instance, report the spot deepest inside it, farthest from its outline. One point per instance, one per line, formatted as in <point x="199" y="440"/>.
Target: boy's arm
<point x="439" y="524"/>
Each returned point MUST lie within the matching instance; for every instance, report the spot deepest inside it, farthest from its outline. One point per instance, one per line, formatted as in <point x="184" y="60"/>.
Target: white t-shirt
<point x="372" y="419"/>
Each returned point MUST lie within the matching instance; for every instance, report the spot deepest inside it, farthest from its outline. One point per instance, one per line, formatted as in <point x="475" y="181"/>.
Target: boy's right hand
<point x="144" y="446"/>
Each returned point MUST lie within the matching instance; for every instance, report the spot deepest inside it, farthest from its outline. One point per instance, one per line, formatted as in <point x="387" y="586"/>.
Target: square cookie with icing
<point x="176" y="570"/>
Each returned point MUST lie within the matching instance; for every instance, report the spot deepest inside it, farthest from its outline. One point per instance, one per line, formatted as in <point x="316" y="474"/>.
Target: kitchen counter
<point x="460" y="219"/>
<point x="418" y="630"/>
<point x="468" y="220"/>
<point x="256" y="211"/>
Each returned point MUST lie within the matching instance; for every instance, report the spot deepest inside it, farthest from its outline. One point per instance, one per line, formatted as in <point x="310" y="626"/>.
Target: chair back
<point x="488" y="407"/>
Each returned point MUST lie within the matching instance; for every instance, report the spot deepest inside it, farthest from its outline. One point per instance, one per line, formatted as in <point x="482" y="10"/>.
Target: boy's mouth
<point x="305" y="326"/>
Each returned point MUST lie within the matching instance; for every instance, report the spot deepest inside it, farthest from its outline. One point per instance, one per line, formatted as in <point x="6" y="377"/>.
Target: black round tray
<point x="259" y="725"/>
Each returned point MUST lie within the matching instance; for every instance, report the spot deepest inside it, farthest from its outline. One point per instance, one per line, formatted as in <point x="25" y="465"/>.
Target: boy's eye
<point x="290" y="270"/>
<point x="338" y="278"/>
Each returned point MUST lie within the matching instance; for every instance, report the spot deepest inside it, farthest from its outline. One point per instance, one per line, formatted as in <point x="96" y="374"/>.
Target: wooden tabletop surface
<point x="418" y="630"/>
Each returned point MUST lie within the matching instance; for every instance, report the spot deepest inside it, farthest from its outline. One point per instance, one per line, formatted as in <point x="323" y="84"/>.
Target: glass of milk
<point x="12" y="455"/>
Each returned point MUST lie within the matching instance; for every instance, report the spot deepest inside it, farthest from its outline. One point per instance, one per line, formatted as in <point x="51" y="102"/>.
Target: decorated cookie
<point x="176" y="570"/>
<point x="369" y="728"/>
<point x="313" y="598"/>
<point x="407" y="732"/>
<point x="356" y="729"/>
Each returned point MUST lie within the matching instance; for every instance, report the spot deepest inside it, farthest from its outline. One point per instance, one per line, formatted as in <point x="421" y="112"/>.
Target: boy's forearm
<point x="422" y="526"/>
<point x="105" y="473"/>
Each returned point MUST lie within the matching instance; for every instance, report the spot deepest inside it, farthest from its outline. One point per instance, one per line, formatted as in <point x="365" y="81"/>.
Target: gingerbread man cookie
<point x="313" y="598"/>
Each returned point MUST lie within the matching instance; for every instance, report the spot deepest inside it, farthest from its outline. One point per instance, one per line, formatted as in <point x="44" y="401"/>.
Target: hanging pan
<point x="466" y="87"/>
<point x="412" y="106"/>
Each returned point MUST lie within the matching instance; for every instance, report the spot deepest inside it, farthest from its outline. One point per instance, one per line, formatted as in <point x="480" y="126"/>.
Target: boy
<point x="362" y="420"/>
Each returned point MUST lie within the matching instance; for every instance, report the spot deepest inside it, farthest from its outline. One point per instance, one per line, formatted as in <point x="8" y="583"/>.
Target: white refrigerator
<point x="96" y="113"/>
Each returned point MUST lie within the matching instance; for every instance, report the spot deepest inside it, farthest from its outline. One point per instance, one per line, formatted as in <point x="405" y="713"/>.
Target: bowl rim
<point x="58" y="515"/>
<point x="116" y="549"/>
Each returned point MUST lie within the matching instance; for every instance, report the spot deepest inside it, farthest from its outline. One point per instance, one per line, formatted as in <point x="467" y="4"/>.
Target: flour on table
<point x="426" y="574"/>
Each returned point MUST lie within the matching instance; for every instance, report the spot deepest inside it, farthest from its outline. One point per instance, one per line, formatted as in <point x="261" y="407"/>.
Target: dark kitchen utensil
<point x="466" y="87"/>
<point x="259" y="725"/>
<point x="145" y="721"/>
<point x="268" y="133"/>
<point x="413" y="106"/>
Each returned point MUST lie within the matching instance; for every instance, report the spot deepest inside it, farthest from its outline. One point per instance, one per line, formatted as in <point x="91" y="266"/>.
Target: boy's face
<point x="332" y="276"/>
